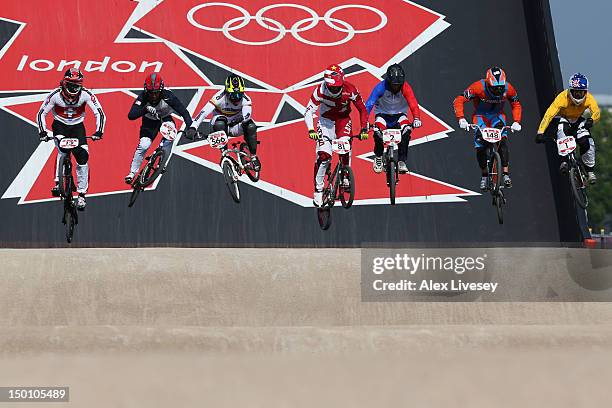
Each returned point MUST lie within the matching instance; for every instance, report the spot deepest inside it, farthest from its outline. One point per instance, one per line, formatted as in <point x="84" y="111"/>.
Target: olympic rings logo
<point x="296" y="29"/>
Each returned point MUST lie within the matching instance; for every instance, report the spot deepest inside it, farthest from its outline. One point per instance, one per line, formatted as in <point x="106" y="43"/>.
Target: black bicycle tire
<point x="69" y="222"/>
<point x="348" y="203"/>
<point x="61" y="179"/>
<point x="499" y="203"/>
<point x="579" y="193"/>
<point x="228" y="170"/>
<point x="324" y="218"/>
<point x="135" y="192"/>
<point x="146" y="177"/>
<point x="391" y="174"/>
<point x="496" y="162"/>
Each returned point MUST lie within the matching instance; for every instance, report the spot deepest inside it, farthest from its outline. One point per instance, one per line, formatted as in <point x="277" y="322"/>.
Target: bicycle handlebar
<point x="477" y="126"/>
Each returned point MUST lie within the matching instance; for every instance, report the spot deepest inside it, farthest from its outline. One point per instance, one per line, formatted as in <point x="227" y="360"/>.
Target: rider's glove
<point x="313" y="134"/>
<point x="539" y="138"/>
<point x="463" y="124"/>
<point x="588" y="124"/>
<point x="516" y="127"/>
<point x="190" y="133"/>
<point x="152" y="111"/>
<point x="97" y="136"/>
<point x="364" y="134"/>
<point x="43" y="136"/>
<point x="417" y="123"/>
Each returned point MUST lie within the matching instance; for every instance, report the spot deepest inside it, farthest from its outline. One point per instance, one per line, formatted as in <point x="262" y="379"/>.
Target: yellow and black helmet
<point x="234" y="87"/>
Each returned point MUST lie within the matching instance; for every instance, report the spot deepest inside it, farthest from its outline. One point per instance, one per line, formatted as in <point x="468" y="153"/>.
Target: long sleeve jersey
<point x="486" y="104"/>
<point x="70" y="113"/>
<point x="334" y="108"/>
<point x="564" y="107"/>
<point x="166" y="105"/>
<point x="220" y="104"/>
<point x="385" y="102"/>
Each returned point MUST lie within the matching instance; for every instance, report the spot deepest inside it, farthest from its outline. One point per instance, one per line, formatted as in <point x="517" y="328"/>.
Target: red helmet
<point x="334" y="79"/>
<point x="334" y="76"/>
<point x="153" y="86"/>
<point x="72" y="84"/>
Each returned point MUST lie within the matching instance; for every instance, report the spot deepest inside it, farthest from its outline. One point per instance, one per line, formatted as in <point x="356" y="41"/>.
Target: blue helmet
<point x="578" y="87"/>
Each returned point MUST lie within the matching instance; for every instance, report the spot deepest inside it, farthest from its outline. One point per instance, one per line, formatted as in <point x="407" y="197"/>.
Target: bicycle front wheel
<point x="578" y="187"/>
<point x="495" y="173"/>
<point x="153" y="168"/>
<point x="347" y="194"/>
<point x="251" y="173"/>
<point x="230" y="182"/>
<point x="324" y="217"/>
<point x="69" y="221"/>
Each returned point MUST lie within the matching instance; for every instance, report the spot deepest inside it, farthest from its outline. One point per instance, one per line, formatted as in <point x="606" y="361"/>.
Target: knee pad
<point x="323" y="157"/>
<point x="145" y="143"/>
<point x="249" y="127"/>
<point x="220" y="124"/>
<point x="81" y="155"/>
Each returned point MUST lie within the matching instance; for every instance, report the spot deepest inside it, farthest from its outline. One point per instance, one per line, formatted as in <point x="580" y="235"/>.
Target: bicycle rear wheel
<point x="324" y="218"/>
<point x="153" y="168"/>
<point x="578" y="187"/>
<point x="70" y="219"/>
<point x="135" y="192"/>
<point x="251" y="173"/>
<point x="499" y="203"/>
<point x="347" y="195"/>
<point x="228" y="175"/>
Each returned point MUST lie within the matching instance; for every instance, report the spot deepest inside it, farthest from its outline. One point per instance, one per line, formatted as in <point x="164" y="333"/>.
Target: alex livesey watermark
<point x="412" y="265"/>
<point x="486" y="274"/>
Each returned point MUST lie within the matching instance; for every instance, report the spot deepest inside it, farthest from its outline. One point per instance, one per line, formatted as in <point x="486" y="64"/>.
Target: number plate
<point x="491" y="135"/>
<point x="68" y="143"/>
<point x="566" y="145"/>
<point x="218" y="139"/>
<point x="341" y="145"/>
<point x="168" y="131"/>
<point x="392" y="137"/>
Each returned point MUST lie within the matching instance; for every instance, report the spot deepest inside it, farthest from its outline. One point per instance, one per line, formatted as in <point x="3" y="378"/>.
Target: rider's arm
<point x="363" y="113"/>
<point x="311" y="109"/>
<point x="412" y="101"/>
<point x="515" y="103"/>
<point x="591" y="104"/>
<point x="552" y="111"/>
<point x="96" y="108"/>
<point x="468" y="95"/>
<point x="45" y="108"/>
<point x="247" y="109"/>
<point x="206" y="110"/>
<point x="138" y="108"/>
<point x="176" y="104"/>
<point x="377" y="93"/>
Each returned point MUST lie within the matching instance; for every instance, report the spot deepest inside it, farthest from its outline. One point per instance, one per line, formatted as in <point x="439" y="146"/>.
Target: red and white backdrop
<point x="280" y="48"/>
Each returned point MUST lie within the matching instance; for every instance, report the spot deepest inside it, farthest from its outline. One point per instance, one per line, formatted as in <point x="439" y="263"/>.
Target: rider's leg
<point x="402" y="157"/>
<point x="343" y="127"/>
<point x="249" y="130"/>
<point x="587" y="145"/>
<point x="81" y="155"/>
<point x="564" y="129"/>
<point x="148" y="131"/>
<point x="379" y="148"/>
<point x="327" y="131"/>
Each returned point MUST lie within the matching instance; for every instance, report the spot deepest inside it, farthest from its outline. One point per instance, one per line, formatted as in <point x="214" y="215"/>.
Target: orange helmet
<point x="496" y="81"/>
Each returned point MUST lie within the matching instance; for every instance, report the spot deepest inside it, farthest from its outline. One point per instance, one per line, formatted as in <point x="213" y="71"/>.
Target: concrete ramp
<point x="278" y="328"/>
